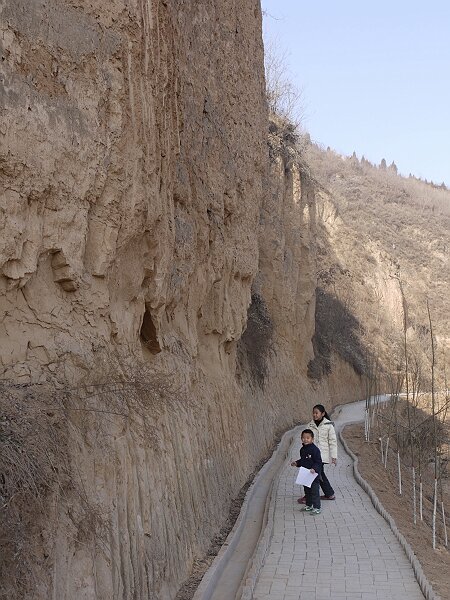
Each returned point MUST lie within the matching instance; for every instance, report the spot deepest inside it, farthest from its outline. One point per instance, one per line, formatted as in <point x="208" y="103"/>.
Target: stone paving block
<point x="277" y="585"/>
<point x="263" y="589"/>
<point x="286" y="560"/>
<point x="279" y="577"/>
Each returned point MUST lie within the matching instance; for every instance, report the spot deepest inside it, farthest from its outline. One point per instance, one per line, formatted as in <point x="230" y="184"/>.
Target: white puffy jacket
<point x="325" y="438"/>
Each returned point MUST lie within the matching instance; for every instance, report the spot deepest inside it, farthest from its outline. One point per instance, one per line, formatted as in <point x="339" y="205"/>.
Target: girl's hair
<point x="321" y="408"/>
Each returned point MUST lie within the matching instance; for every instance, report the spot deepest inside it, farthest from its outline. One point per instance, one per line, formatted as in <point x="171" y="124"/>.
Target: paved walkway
<point x="347" y="552"/>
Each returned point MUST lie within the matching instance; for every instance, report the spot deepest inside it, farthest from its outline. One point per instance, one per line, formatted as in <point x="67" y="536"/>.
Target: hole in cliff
<point x="149" y="337"/>
<point x="255" y="345"/>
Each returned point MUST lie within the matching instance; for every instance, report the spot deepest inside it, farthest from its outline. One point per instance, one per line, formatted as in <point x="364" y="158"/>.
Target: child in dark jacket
<point x="310" y="458"/>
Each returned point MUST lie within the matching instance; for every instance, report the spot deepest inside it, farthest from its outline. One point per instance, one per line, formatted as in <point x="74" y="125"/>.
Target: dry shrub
<point x="284" y="98"/>
<point x="136" y="399"/>
<point x="39" y="478"/>
<point x="33" y="460"/>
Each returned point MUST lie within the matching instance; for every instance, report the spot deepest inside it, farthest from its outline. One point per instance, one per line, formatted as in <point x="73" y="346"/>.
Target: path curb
<point x="208" y="583"/>
<point x="262" y="547"/>
<point x="423" y="582"/>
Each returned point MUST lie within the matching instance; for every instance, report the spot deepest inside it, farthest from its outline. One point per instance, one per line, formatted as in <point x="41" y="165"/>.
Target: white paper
<point x="305" y="477"/>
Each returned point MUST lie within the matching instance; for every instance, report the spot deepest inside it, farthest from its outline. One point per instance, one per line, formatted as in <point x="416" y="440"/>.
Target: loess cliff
<point x="158" y="266"/>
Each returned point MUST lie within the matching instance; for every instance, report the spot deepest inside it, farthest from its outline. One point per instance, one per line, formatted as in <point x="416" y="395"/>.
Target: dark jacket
<point x="310" y="458"/>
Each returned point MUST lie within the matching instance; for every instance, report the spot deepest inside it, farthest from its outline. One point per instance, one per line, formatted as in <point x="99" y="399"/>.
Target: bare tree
<point x="284" y="98"/>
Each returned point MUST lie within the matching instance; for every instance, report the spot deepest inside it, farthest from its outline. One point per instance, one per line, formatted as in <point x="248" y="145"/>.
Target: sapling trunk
<point x="433" y="410"/>
<point x="394" y="406"/>
<point x="421" y="499"/>
<point x="399" y="473"/>
<point x="408" y="408"/>
<point x="441" y="491"/>
<point x="445" y="525"/>
<point x="366" y="425"/>
<point x="434" y="513"/>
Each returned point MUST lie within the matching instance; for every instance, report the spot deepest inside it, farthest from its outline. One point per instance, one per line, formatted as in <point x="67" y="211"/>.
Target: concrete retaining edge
<point x="208" y="584"/>
<point x="266" y="536"/>
<point x="261" y="550"/>
<point x="423" y="582"/>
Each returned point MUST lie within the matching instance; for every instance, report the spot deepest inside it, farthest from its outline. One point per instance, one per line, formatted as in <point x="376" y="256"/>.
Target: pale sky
<point x="375" y="77"/>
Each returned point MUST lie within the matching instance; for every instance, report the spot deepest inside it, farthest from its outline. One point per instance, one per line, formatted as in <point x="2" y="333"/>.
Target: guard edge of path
<point x="249" y="517"/>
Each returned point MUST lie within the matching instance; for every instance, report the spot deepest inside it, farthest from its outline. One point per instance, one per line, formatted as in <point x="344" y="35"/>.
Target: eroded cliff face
<point x="128" y="180"/>
<point x="292" y="227"/>
<point x="140" y="213"/>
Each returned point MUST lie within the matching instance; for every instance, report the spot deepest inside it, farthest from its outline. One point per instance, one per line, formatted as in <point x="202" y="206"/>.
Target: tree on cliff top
<point x="283" y="97"/>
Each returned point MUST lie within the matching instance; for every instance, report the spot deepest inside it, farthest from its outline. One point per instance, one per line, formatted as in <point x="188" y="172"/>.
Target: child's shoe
<point x="308" y="508"/>
<point x="315" y="511"/>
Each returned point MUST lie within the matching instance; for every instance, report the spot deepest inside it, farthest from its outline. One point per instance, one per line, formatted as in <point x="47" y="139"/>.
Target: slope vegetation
<point x="384" y="254"/>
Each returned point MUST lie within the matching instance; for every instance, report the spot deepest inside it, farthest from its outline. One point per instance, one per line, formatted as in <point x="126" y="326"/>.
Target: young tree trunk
<point x="433" y="410"/>
<point x="445" y="525"/>
<point x="434" y="513"/>
<point x="386" y="453"/>
<point x="399" y="467"/>
<point x="421" y="499"/>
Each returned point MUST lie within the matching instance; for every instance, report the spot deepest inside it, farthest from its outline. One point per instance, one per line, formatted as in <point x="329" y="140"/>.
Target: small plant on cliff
<point x="41" y="431"/>
<point x="286" y="135"/>
<point x="283" y="97"/>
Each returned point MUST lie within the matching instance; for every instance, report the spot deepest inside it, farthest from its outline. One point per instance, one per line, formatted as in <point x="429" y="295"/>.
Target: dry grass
<point x="386" y="231"/>
<point x="33" y="461"/>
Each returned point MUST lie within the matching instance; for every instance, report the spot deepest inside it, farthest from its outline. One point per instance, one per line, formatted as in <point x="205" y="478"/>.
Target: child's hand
<point x="293" y="464"/>
<point x="311" y="471"/>
<point x="334" y="460"/>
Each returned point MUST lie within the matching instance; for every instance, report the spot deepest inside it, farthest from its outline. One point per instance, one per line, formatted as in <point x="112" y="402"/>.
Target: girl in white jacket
<point x="325" y="439"/>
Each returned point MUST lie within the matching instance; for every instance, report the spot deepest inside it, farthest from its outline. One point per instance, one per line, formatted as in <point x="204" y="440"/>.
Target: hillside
<point x="385" y="233"/>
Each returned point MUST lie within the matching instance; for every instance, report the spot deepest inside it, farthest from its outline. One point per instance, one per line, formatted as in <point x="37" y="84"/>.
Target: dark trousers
<point x="312" y="494"/>
<point x="325" y="484"/>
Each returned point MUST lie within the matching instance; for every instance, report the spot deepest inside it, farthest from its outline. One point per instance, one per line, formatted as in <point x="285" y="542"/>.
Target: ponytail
<point x="321" y="408"/>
